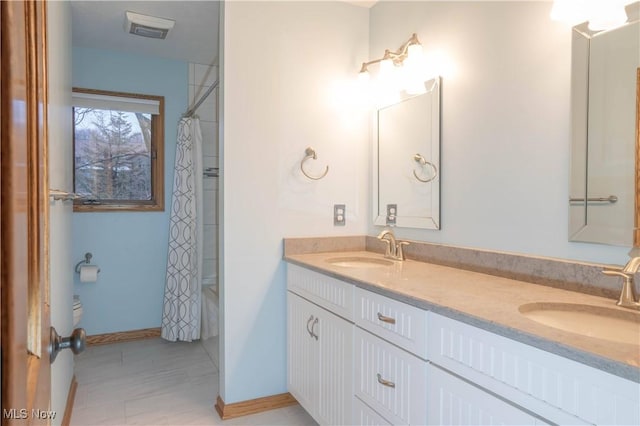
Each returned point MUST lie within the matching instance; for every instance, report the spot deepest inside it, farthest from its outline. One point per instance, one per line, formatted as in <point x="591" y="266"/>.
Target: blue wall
<point x="130" y="248"/>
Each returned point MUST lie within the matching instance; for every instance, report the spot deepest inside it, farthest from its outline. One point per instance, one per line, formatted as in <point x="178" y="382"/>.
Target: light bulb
<point x="414" y="70"/>
<point x="386" y="67"/>
<point x="413" y="78"/>
<point x="607" y="16"/>
<point x="363" y="77"/>
<point x="363" y="88"/>
<point x="571" y="12"/>
<point x="414" y="52"/>
<point x="388" y="77"/>
<point x="383" y="97"/>
<point x="415" y="87"/>
<point x="561" y="10"/>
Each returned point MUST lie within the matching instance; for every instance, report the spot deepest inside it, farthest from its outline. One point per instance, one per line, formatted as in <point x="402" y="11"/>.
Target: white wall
<point x="286" y="71"/>
<point x="60" y="177"/>
<point x="505" y="123"/>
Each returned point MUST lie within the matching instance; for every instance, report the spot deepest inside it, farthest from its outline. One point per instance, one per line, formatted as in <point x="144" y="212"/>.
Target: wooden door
<point x="636" y="232"/>
<point x="24" y="296"/>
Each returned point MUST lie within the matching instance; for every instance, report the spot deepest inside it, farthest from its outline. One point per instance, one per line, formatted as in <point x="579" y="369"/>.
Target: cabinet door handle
<point x="388" y="320"/>
<point x="386" y="383"/>
<point x="313" y="326"/>
<point x="308" y="329"/>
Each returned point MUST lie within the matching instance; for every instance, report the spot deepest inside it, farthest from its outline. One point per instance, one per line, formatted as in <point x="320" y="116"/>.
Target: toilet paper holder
<point x="86" y="261"/>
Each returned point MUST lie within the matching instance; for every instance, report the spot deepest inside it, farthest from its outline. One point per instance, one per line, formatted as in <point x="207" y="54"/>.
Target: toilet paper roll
<point x="89" y="274"/>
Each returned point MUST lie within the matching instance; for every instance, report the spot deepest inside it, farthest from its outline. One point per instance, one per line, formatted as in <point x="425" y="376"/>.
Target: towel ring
<point x="420" y="160"/>
<point x="311" y="153"/>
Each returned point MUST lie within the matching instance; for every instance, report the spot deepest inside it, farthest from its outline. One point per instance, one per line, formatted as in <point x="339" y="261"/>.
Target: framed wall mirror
<point x="406" y="190"/>
<point x="605" y="152"/>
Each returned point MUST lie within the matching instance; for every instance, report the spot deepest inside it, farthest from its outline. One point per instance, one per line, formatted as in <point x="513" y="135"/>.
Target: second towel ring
<point x="311" y="153"/>
<point x="418" y="158"/>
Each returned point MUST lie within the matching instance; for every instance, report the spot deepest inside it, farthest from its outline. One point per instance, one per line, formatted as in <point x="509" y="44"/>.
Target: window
<point x="118" y="151"/>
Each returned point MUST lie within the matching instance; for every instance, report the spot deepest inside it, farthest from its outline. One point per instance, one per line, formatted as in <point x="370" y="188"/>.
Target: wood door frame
<point x="24" y="269"/>
<point x="636" y="231"/>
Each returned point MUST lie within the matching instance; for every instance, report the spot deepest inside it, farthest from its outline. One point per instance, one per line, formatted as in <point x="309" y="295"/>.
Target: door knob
<point x="76" y="342"/>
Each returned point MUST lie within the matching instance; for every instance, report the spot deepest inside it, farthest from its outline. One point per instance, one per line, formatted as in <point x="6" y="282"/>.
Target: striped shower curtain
<point x="182" y="294"/>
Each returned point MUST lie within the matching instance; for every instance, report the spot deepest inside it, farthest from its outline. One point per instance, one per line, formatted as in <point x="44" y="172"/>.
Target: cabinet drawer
<point x="330" y="293"/>
<point x="389" y="380"/>
<point x="364" y="415"/>
<point x="556" y="388"/>
<point x="397" y="322"/>
<point x="452" y="401"/>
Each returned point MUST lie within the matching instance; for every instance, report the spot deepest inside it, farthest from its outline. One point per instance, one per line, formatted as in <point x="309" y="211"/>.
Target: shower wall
<point x="201" y="77"/>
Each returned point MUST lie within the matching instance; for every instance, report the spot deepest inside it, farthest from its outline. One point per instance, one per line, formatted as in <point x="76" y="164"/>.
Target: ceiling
<point x="194" y="38"/>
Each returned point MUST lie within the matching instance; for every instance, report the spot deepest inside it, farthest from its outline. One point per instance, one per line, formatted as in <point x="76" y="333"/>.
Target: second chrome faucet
<point x="627" y="297"/>
<point x="394" y="249"/>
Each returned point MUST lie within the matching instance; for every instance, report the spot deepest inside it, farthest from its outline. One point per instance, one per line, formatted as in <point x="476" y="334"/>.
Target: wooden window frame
<point x="156" y="203"/>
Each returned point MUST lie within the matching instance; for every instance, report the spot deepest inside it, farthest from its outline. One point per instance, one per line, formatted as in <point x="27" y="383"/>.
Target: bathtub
<point x="209" y="312"/>
<point x="209" y="329"/>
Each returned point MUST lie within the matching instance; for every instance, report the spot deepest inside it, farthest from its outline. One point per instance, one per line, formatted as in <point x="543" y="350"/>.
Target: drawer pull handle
<point x="388" y="320"/>
<point x="309" y="330"/>
<point x="386" y="383"/>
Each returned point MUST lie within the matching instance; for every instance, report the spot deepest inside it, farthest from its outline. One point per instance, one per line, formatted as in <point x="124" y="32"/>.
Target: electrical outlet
<point x="392" y="214"/>
<point x="339" y="215"/>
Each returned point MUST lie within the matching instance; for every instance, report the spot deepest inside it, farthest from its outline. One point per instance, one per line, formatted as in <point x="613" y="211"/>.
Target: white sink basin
<point x="359" y="262"/>
<point x="593" y="321"/>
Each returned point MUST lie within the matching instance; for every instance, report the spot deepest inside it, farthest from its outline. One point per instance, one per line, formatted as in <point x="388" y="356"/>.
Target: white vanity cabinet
<point x="556" y="389"/>
<point x="358" y="357"/>
<point x="320" y="347"/>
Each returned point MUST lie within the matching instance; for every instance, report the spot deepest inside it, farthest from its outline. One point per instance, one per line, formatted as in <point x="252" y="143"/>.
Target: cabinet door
<point x="335" y="369"/>
<point x="302" y="351"/>
<point x="320" y="365"/>
<point x="452" y="401"/>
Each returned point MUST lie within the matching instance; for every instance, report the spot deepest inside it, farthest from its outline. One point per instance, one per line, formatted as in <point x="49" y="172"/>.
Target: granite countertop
<point x="485" y="301"/>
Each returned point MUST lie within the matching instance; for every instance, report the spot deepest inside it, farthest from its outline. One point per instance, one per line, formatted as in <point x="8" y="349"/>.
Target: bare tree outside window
<point x="114" y="155"/>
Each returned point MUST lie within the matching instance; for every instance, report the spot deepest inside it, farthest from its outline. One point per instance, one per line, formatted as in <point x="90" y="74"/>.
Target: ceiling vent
<point x="147" y="26"/>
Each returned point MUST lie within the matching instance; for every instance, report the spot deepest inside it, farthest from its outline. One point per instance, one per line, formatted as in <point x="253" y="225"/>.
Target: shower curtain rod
<point x="193" y="109"/>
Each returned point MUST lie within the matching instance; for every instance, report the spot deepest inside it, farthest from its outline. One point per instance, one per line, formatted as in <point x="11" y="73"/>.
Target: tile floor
<point x="154" y="382"/>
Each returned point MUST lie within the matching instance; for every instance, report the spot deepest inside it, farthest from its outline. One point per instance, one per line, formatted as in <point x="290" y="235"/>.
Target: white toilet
<point x="77" y="310"/>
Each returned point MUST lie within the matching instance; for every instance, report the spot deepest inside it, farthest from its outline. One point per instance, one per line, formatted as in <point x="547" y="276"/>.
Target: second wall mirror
<point x="406" y="190"/>
<point x="605" y="158"/>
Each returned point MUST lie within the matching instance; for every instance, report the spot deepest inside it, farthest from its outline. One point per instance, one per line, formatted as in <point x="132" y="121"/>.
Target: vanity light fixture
<point x="601" y="14"/>
<point x="399" y="70"/>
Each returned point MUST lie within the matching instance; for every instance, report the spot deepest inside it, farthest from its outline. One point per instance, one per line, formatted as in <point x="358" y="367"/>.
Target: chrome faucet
<point x="394" y="248"/>
<point x="627" y="297"/>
